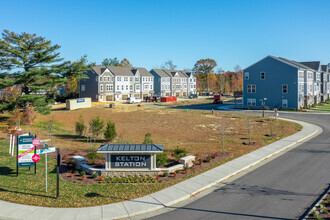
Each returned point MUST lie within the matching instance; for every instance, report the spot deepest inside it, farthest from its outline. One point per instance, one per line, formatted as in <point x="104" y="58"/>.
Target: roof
<point x="188" y="73"/>
<point x="142" y="71"/>
<point x="172" y="73"/>
<point x="99" y="69"/>
<point x="315" y="65"/>
<point x="122" y="148"/>
<point x="161" y="72"/>
<point x="295" y="63"/>
<point x="324" y="68"/>
<point x="121" y="71"/>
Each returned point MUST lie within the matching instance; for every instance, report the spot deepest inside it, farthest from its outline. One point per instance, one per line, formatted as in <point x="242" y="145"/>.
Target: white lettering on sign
<point x="130" y="158"/>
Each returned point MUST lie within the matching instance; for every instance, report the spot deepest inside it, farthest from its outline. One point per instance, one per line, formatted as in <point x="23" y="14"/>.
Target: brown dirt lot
<point x="197" y="131"/>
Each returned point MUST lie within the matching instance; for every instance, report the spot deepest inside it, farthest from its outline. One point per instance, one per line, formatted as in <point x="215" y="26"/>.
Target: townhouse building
<point x="162" y="82"/>
<point x="112" y="83"/>
<point x="325" y="83"/>
<point x="274" y="82"/>
<point x="191" y="83"/>
<point x="316" y="82"/>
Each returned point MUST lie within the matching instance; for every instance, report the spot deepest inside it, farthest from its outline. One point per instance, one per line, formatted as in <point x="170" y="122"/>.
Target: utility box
<point x="72" y="104"/>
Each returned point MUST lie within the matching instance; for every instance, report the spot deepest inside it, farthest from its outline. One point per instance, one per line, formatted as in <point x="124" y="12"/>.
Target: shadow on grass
<point x="25" y="193"/>
<point x="5" y="171"/>
<point x="76" y="138"/>
<point x="95" y="195"/>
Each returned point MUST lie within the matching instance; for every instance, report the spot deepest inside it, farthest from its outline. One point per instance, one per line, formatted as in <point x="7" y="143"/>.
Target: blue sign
<point x="80" y="100"/>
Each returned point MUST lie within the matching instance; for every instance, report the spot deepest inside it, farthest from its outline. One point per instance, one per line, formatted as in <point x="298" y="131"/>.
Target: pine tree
<point x="110" y="132"/>
<point x="32" y="62"/>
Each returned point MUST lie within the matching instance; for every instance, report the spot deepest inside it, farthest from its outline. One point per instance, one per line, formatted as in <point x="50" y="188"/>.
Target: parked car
<point x="217" y="101"/>
<point x="193" y="96"/>
<point x="151" y="98"/>
<point x="131" y="100"/>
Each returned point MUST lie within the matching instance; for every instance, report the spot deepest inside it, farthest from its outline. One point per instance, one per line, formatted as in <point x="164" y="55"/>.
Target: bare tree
<point x="168" y="65"/>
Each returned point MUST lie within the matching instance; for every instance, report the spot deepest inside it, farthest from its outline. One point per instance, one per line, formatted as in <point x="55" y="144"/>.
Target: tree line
<point x="32" y="72"/>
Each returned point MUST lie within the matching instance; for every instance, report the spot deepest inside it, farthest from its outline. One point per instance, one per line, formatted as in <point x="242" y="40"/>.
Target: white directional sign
<point x="46" y="150"/>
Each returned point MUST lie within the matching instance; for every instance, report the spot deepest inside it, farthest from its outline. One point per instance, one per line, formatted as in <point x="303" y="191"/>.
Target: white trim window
<point x="100" y="78"/>
<point x="108" y="78"/>
<point x="117" y="87"/>
<point x="110" y="87"/>
<point x="118" y="78"/>
<point x="126" y="87"/>
<point x="83" y="88"/>
<point x="251" y="88"/>
<point x="284" y="89"/>
<point x="150" y="87"/>
<point x="284" y="103"/>
<point x="131" y="87"/>
<point x="125" y="78"/>
<point x="262" y="75"/>
<point x="104" y="79"/>
<point x="251" y="102"/>
<point x="101" y="87"/>
<point x="246" y="75"/>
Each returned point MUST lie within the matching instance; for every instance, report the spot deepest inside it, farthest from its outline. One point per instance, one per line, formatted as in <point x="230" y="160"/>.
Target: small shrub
<point x="178" y="153"/>
<point x="175" y="174"/>
<point x="157" y="177"/>
<point x="178" y="171"/>
<point x="200" y="161"/>
<point x="110" y="132"/>
<point x="147" y="139"/>
<point x="161" y="159"/>
<point x="96" y="125"/>
<point x="92" y="156"/>
<point x="71" y="175"/>
<point x="186" y="169"/>
<point x="165" y="174"/>
<point x="75" y="171"/>
<point x="80" y="126"/>
<point x="208" y="159"/>
<point x="95" y="175"/>
<point x="82" y="173"/>
<point x="83" y="177"/>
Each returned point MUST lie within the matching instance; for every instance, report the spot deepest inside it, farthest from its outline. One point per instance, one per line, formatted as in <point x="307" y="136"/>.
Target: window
<point x="137" y="87"/>
<point x="101" y="88"/>
<point x="251" y="102"/>
<point x="137" y="79"/>
<point x="125" y="78"/>
<point x="100" y="78"/>
<point x="104" y="79"/>
<point x="194" y="80"/>
<point x="190" y="80"/>
<point x="146" y="86"/>
<point x="150" y="87"/>
<point x="162" y="87"/>
<point x="195" y="86"/>
<point x="246" y="75"/>
<point x="118" y="78"/>
<point x="122" y="87"/>
<point x="130" y="87"/>
<point x="142" y="79"/>
<point x="251" y="88"/>
<point x="117" y="87"/>
<point x="301" y="75"/>
<point x="126" y="87"/>
<point x="110" y="87"/>
<point x="108" y="78"/>
<point x="284" y="89"/>
<point x="83" y="88"/>
<point x="284" y="103"/>
<point x="262" y="75"/>
<point x="152" y="79"/>
<point x="96" y="79"/>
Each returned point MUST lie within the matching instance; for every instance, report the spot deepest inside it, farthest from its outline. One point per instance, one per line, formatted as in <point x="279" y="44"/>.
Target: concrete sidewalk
<point x="165" y="197"/>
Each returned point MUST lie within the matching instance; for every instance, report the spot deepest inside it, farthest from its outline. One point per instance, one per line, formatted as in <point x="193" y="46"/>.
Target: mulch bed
<point x="67" y="174"/>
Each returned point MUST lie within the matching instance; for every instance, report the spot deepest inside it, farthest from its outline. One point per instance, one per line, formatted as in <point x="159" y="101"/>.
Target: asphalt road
<point x="281" y="189"/>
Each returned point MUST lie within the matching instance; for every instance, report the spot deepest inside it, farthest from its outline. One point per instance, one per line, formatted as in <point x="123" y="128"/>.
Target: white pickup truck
<point x="131" y="100"/>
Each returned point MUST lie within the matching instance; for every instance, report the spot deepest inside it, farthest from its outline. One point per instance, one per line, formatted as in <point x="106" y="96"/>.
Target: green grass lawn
<point x="323" y="108"/>
<point x="28" y="188"/>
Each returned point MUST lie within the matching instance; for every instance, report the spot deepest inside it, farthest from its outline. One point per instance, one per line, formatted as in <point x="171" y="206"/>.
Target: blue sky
<point x="148" y="33"/>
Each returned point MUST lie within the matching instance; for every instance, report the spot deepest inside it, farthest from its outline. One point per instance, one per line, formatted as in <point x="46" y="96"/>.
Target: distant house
<point x="279" y="82"/>
<point x="325" y="83"/>
<point x="316" y="66"/>
<point x="174" y="82"/>
<point x="162" y="82"/>
<point x="111" y="83"/>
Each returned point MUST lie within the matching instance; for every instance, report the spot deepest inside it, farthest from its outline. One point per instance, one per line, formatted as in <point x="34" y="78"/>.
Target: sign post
<point x="58" y="173"/>
<point x="45" y="151"/>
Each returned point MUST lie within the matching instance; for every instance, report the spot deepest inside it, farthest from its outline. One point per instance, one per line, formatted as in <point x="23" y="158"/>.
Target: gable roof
<point x="121" y="71"/>
<point x="315" y="65"/>
<point x="99" y="69"/>
<point x="124" y="148"/>
<point x="160" y="72"/>
<point x="324" y="68"/>
<point x="173" y="72"/>
<point x="188" y="73"/>
<point x="142" y="71"/>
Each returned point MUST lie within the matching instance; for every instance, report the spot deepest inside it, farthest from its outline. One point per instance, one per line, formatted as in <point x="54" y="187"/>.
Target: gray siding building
<point x="162" y="82"/>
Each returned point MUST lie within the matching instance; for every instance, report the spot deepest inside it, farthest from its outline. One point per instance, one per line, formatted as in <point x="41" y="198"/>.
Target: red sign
<point x="25" y="153"/>
<point x="35" y="158"/>
<point x="36" y="142"/>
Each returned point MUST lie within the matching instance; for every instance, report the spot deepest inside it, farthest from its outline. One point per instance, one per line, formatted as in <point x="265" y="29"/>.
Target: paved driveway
<point x="281" y="189"/>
